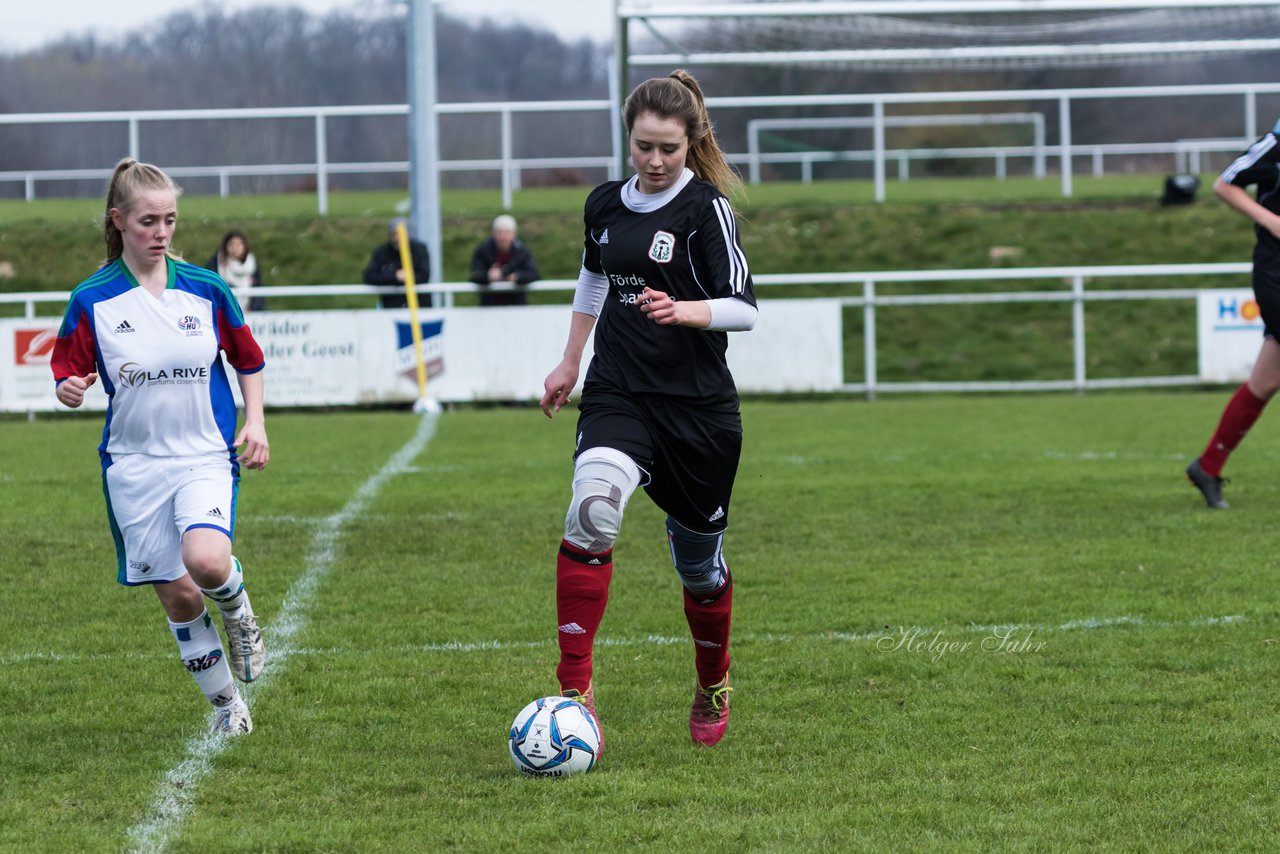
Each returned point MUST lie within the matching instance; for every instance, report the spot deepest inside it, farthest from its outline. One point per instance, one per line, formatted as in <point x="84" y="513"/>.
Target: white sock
<point x="200" y="647"/>
<point x="229" y="596"/>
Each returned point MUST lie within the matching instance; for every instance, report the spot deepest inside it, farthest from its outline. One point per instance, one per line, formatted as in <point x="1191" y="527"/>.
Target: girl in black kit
<point x="1260" y="166"/>
<point x="664" y="274"/>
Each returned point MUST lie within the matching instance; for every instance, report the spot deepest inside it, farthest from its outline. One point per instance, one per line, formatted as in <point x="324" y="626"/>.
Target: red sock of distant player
<point x="1243" y="409"/>
<point x="582" y="591"/>
<point x="709" y="625"/>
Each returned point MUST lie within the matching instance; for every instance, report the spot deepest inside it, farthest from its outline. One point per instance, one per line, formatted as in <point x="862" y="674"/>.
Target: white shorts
<point x="153" y="501"/>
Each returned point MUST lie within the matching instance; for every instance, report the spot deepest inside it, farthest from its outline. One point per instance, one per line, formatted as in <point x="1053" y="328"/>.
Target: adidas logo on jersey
<point x="124" y="327"/>
<point x="573" y="629"/>
<point x="604" y="237"/>
<point x="719" y="514"/>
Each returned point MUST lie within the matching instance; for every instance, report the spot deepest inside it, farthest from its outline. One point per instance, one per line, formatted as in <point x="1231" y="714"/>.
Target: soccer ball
<point x="554" y="737"/>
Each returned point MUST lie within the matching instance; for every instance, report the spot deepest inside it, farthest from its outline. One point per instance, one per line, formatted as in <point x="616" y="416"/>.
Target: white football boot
<point x="244" y="643"/>
<point x="232" y="719"/>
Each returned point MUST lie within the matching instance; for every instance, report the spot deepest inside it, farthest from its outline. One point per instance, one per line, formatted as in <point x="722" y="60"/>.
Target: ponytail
<point x="679" y="97"/>
<point x="129" y="179"/>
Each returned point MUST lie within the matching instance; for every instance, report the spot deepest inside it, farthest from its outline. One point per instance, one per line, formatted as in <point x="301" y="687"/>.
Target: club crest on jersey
<point x="189" y="323"/>
<point x="663" y="247"/>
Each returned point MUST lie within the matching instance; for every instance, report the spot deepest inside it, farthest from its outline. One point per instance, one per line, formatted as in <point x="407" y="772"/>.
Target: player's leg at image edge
<point x="1239" y="415"/>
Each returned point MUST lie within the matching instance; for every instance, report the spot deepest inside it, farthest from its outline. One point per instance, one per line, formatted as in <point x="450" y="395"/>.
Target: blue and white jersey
<point x="158" y="359"/>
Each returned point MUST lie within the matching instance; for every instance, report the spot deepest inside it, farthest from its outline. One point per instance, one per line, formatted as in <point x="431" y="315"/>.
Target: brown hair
<point x="678" y="96"/>
<point x="227" y="238"/>
<point x="128" y="181"/>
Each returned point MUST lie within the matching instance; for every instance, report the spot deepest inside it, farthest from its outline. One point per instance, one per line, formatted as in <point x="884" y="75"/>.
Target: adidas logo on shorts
<point x="719" y="514"/>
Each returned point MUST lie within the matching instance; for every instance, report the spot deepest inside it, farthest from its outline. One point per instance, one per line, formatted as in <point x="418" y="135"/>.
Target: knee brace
<point x="603" y="480"/>
<point x="699" y="559"/>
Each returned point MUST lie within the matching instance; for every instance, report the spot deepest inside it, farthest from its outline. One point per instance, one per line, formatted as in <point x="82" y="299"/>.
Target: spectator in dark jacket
<point x="503" y="259"/>
<point x="384" y="267"/>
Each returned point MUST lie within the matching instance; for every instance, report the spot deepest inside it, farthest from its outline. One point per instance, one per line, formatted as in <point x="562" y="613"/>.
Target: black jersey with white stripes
<point x="684" y="242"/>
<point x="1260" y="165"/>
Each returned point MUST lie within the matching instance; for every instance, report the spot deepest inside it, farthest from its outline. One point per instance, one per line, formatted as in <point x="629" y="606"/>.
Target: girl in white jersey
<point x="152" y="329"/>
<point x="663" y="279"/>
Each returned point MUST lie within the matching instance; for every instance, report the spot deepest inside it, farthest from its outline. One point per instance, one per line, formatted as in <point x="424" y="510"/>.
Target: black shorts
<point x="1266" y="292"/>
<point x="690" y="456"/>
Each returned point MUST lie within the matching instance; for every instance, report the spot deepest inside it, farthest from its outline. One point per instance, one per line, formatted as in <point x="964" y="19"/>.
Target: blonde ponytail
<point x="128" y="181"/>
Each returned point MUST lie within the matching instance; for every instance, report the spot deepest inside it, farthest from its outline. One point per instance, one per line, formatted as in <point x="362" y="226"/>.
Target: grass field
<point x="403" y="572"/>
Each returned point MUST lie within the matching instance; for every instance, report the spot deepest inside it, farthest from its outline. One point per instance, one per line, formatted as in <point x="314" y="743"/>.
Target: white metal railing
<point x="1187" y="157"/>
<point x="1077" y="295"/>
<point x="509" y="167"/>
<point x="755" y="126"/>
<point x="321" y="168"/>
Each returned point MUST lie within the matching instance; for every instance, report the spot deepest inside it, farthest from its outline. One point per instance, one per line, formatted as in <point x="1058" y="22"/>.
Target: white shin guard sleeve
<point x="603" y="481"/>
<point x="200" y="647"/>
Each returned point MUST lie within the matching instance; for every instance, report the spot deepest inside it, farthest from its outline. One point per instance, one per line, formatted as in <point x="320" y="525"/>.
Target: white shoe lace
<point x="249" y="633"/>
<point x="230" y="719"/>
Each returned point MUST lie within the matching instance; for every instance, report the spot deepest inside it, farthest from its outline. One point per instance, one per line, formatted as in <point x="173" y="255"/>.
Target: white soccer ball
<point x="554" y="737"/>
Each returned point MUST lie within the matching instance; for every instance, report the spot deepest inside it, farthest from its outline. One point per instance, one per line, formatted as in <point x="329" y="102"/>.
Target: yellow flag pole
<point x="424" y="403"/>
<point x="411" y="294"/>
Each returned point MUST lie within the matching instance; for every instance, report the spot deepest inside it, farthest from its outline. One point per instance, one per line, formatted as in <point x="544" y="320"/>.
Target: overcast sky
<point x="26" y="24"/>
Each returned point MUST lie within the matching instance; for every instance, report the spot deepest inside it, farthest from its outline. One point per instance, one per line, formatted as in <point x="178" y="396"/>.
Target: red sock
<point x="1237" y="418"/>
<point x="582" y="591"/>
<point x="709" y="625"/>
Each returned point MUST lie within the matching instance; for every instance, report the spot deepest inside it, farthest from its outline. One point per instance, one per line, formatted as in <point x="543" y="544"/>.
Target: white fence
<point x="1076" y="291"/>
<point x="1187" y="148"/>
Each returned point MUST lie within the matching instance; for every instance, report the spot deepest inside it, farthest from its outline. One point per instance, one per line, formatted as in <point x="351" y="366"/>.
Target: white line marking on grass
<point x="1086" y="624"/>
<point x="1089" y="624"/>
<point x="307" y="521"/>
<point x="173" y="799"/>
<point x="1129" y="456"/>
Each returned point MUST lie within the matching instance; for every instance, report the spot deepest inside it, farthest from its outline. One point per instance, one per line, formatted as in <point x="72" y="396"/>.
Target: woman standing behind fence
<point x="665" y="273"/>
<point x="1259" y="165"/>
<point x="235" y="263"/>
<point x="152" y="328"/>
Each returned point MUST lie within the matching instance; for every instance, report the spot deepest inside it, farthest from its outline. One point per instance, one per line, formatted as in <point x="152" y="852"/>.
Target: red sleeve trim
<point x="76" y="353"/>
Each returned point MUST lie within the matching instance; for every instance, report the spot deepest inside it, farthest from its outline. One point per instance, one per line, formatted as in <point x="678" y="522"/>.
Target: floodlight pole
<point x="622" y="51"/>
<point x="424" y="133"/>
